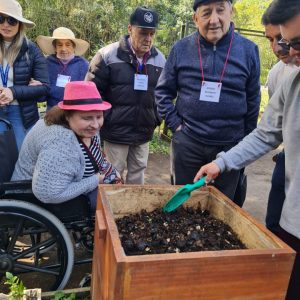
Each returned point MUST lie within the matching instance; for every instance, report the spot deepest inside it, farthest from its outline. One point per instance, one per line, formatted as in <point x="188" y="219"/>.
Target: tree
<point x="101" y="22"/>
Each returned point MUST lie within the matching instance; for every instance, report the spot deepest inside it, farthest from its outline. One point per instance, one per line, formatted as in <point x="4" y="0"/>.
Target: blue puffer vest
<point x="30" y="63"/>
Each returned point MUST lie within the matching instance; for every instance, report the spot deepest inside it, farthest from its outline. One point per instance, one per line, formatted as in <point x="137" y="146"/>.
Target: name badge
<point x="62" y="80"/>
<point x="210" y="91"/>
<point x="140" y="82"/>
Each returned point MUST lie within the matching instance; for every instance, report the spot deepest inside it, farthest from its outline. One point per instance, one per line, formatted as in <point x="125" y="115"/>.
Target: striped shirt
<point x="105" y="167"/>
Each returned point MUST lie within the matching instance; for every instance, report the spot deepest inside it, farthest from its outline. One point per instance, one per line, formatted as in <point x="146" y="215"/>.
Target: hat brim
<point x="27" y="23"/>
<point x="46" y="44"/>
<point x="147" y="27"/>
<point x="87" y="107"/>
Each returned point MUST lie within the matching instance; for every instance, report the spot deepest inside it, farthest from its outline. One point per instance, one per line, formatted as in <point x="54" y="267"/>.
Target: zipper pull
<point x="215" y="48"/>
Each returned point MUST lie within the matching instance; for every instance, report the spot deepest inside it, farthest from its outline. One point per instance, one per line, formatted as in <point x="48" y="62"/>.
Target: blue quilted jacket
<point x="30" y="63"/>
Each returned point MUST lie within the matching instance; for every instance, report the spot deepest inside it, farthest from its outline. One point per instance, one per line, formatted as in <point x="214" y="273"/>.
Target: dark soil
<point x="184" y="230"/>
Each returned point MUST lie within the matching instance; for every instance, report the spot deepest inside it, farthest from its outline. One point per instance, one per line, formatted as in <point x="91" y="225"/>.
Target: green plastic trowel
<point x="182" y="195"/>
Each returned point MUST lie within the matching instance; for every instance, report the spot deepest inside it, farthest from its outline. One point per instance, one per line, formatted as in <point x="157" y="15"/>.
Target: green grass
<point x="158" y="145"/>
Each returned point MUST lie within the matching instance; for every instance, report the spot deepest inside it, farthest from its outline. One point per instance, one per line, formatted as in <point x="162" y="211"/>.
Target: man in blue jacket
<point x="214" y="76"/>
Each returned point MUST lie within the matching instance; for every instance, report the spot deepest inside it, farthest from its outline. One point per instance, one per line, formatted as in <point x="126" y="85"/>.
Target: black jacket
<point x="133" y="116"/>
<point x="30" y="63"/>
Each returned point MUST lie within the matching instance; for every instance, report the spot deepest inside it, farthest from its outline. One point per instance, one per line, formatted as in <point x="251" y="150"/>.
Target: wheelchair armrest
<point x="16" y="185"/>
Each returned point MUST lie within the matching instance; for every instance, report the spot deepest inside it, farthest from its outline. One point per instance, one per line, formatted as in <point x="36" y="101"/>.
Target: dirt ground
<point x="258" y="173"/>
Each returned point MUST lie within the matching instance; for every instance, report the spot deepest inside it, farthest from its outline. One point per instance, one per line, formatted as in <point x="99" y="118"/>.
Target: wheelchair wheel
<point x="34" y="245"/>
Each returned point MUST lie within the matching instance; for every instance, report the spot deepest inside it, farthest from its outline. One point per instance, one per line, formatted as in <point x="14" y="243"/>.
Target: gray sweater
<point x="280" y="123"/>
<point x="52" y="158"/>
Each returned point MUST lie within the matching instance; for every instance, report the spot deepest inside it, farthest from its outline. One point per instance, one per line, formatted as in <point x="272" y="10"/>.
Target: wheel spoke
<point x="32" y="249"/>
<point x="24" y="266"/>
<point x="15" y="236"/>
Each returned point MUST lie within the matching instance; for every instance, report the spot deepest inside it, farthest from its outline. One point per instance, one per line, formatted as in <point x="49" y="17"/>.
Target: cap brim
<point x="45" y="43"/>
<point x="87" y="107"/>
<point x="147" y="27"/>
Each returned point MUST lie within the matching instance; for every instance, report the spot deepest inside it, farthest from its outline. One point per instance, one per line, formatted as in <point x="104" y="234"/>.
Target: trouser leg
<point x="277" y="193"/>
<point x="117" y="155"/>
<point x="13" y="114"/>
<point x="241" y="189"/>
<point x="136" y="163"/>
<point x="293" y="292"/>
<point x="188" y="155"/>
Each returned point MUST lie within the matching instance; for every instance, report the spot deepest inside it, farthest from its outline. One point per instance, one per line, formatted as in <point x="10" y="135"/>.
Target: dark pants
<point x="188" y="155"/>
<point x="277" y="193"/>
<point x="241" y="189"/>
<point x="293" y="292"/>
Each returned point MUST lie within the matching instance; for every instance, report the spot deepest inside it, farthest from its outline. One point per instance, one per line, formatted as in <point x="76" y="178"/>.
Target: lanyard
<point x="226" y="61"/>
<point x="139" y="67"/>
<point x="4" y="74"/>
<point x="63" y="66"/>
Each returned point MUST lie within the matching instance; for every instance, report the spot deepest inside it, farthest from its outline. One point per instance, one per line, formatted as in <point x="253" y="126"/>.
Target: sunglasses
<point x="10" y="20"/>
<point x="286" y="46"/>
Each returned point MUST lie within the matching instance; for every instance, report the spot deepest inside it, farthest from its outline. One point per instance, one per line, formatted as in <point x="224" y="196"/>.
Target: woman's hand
<point x="34" y="82"/>
<point x="6" y="96"/>
<point x="211" y="170"/>
<point x="100" y="177"/>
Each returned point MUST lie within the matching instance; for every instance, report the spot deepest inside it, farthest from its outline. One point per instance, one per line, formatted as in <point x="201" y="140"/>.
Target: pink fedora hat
<point x="82" y="95"/>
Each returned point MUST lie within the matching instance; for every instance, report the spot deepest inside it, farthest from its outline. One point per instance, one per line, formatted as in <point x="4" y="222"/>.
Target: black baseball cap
<point x="144" y="17"/>
<point x="199" y="2"/>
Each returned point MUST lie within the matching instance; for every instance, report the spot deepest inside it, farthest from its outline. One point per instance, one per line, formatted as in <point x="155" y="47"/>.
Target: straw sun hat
<point x="13" y="9"/>
<point x="61" y="33"/>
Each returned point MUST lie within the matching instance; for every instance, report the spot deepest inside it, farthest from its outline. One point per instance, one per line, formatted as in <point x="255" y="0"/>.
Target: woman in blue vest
<point x="20" y="62"/>
<point x="64" y="60"/>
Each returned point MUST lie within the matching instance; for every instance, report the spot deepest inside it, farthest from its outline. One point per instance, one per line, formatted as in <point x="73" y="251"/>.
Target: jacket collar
<point x="125" y="53"/>
<point x="223" y="41"/>
<point x="53" y="58"/>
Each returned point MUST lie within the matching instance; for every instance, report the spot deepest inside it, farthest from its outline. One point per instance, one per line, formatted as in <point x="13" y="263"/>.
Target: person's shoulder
<point x="81" y="60"/>
<point x="186" y="40"/>
<point x="108" y="49"/>
<point x="248" y="44"/>
<point x="276" y="68"/>
<point x="51" y="58"/>
<point x="33" y="47"/>
<point x="159" y="53"/>
<point x="52" y="132"/>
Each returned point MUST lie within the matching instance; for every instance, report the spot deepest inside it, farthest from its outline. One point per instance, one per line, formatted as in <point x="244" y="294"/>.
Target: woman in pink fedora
<point x="61" y="154"/>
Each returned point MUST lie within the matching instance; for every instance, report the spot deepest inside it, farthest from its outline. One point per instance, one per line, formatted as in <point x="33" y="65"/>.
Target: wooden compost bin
<point x="260" y="272"/>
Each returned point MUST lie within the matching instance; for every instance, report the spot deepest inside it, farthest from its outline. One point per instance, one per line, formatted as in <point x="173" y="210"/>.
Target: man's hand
<point x="34" y="82"/>
<point x="211" y="170"/>
<point x="178" y="128"/>
<point x="6" y="96"/>
<point x="100" y="177"/>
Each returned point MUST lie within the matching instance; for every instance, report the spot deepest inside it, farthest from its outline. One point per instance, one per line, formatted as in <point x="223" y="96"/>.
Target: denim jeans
<point x="12" y="113"/>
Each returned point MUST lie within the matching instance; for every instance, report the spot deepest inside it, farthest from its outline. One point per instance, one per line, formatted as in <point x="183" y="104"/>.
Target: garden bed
<point x="259" y="272"/>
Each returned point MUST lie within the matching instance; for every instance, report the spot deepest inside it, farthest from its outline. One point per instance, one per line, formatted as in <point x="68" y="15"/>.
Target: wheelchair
<point x="37" y="240"/>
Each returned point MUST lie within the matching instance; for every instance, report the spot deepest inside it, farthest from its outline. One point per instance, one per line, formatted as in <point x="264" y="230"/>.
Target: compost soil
<point x="183" y="230"/>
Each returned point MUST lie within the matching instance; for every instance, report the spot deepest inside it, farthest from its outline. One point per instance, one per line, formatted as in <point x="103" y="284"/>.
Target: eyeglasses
<point x="10" y="20"/>
<point x="285" y="45"/>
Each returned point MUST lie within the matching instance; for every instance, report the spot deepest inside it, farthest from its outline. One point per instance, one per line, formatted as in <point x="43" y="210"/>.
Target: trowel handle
<point x="198" y="184"/>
